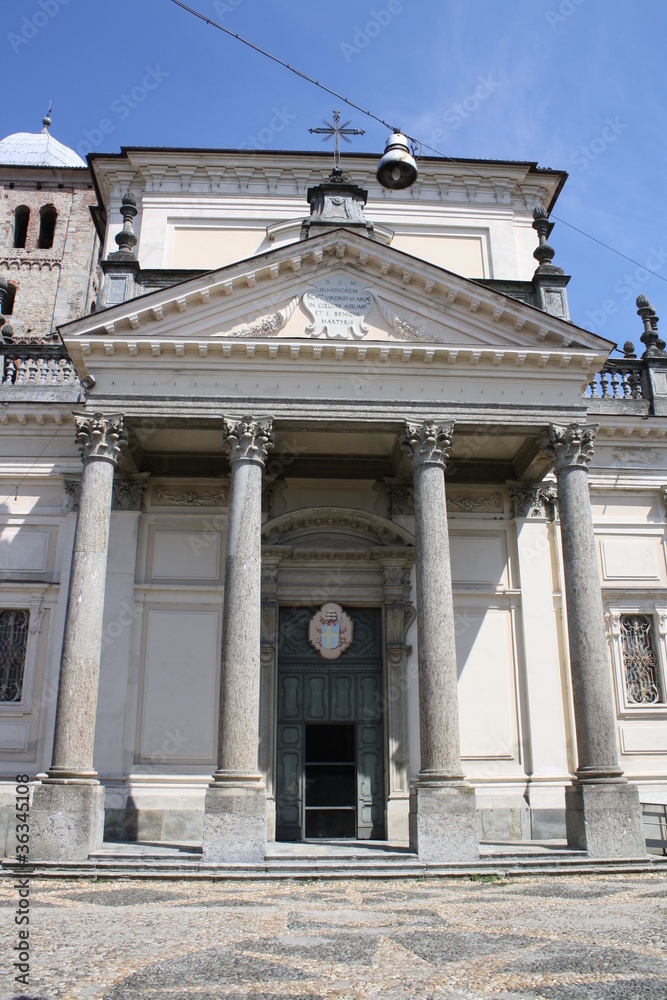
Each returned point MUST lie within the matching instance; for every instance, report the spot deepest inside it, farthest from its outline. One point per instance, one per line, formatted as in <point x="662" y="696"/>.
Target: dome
<point x="37" y="149"/>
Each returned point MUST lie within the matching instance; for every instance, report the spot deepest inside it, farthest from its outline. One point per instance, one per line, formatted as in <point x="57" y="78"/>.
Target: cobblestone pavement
<point x="554" y="938"/>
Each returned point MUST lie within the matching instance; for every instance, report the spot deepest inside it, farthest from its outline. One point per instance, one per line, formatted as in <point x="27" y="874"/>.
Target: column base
<point x="235" y="823"/>
<point x="605" y="819"/>
<point x="66" y="820"/>
<point x="443" y="822"/>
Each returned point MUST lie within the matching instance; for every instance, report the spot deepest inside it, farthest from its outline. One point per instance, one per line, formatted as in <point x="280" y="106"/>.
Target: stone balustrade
<point x="26" y="366"/>
<point x="38" y="371"/>
<point x="618" y="379"/>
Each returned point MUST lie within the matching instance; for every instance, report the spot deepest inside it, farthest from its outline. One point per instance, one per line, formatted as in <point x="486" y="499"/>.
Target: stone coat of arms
<point x="330" y="631"/>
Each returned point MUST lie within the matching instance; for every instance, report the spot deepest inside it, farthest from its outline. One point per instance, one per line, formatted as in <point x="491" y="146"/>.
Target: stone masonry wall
<point x="58" y="284"/>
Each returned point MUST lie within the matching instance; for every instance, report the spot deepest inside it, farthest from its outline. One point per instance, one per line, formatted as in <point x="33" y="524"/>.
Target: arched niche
<point x="354" y="557"/>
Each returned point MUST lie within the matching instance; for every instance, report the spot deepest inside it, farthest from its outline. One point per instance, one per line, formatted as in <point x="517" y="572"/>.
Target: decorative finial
<point x="655" y="346"/>
<point x="543" y="253"/>
<point x="46" y="120"/>
<point x="629" y="350"/>
<point x="126" y="238"/>
<point x="6" y="331"/>
<point x="336" y="131"/>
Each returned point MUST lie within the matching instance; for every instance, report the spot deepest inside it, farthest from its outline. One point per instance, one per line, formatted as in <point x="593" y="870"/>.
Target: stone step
<point x="309" y="868"/>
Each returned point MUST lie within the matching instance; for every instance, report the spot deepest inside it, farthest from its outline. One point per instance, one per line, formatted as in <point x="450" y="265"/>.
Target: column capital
<point x="249" y="439"/>
<point x="534" y="499"/>
<point x="428" y="443"/>
<point x="99" y="437"/>
<point x="570" y="446"/>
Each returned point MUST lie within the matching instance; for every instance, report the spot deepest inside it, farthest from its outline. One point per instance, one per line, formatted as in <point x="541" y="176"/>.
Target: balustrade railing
<point x="618" y="379"/>
<point x="34" y="365"/>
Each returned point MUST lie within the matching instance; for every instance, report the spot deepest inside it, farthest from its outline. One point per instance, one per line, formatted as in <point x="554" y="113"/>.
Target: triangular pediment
<point x="335" y="288"/>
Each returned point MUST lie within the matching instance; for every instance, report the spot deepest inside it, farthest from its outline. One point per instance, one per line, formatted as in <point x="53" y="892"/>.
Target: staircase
<point x="332" y="860"/>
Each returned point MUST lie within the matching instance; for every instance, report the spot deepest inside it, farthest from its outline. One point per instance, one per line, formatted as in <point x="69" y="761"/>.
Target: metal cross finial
<point x="336" y="130"/>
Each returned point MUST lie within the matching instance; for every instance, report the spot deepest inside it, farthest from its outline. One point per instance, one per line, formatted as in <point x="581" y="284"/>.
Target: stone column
<point x="68" y="807"/>
<point x="603" y="814"/>
<point x="235" y="805"/>
<point x="443" y="818"/>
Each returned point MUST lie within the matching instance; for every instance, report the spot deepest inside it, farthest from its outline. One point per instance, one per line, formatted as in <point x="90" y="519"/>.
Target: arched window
<point x="47" y="226"/>
<point x="21" y="220"/>
<point x="8" y="304"/>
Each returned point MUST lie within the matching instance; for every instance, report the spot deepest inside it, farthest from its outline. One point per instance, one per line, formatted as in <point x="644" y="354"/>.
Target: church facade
<point x="321" y="518"/>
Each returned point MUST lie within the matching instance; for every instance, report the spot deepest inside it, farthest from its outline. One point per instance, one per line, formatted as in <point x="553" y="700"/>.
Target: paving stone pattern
<point x="547" y="938"/>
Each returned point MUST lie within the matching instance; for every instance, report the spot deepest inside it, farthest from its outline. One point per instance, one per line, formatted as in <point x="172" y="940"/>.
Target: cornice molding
<point x="635" y="429"/>
<point x="412" y="353"/>
<point x="234" y="173"/>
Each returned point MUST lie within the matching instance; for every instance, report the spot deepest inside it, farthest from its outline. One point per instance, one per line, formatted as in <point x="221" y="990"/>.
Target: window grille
<point x="640" y="660"/>
<point x="13" y="644"/>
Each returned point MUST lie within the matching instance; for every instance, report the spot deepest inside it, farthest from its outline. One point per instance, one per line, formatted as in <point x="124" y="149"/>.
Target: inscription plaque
<point x="338" y="306"/>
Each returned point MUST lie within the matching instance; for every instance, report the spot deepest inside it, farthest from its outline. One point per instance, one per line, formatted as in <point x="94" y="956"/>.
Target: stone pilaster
<point x="546" y="758"/>
<point x="235" y="805"/>
<point x="399" y="614"/>
<point x="268" y="652"/>
<point x="443" y="820"/>
<point x="603" y="814"/>
<point x="68" y="807"/>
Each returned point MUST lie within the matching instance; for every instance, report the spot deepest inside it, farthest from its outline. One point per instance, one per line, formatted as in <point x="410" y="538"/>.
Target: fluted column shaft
<point x="571" y="449"/>
<point x="248" y="442"/>
<point x="99" y="439"/>
<point x="428" y="445"/>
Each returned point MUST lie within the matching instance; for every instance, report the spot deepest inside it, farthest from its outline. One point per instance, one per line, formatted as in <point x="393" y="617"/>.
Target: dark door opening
<point x="329" y="742"/>
<point x="331" y="781"/>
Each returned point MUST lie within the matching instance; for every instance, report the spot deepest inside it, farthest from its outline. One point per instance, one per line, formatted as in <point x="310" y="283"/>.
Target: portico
<point x="359" y="558"/>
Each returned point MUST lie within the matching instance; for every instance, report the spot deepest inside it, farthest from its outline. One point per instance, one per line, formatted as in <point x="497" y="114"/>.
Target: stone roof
<point x="37" y="149"/>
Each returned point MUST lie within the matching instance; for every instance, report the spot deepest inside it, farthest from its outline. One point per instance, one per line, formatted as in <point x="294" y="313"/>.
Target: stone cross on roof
<point x="337" y="131"/>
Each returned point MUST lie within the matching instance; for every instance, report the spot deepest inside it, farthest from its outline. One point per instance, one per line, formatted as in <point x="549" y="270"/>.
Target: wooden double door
<point x="330" y="761"/>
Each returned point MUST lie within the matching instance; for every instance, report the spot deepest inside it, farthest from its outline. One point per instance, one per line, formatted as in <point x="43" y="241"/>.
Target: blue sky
<point x="573" y="84"/>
